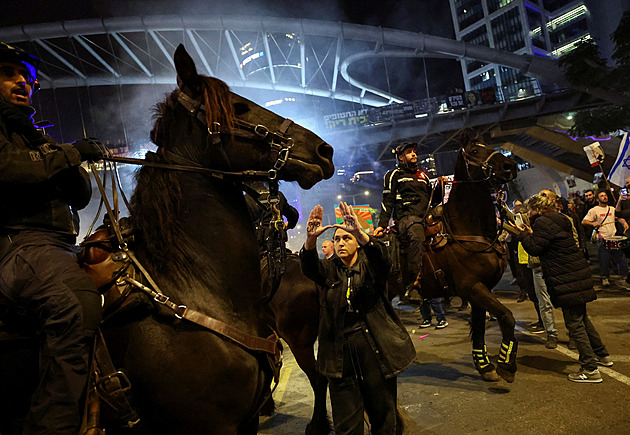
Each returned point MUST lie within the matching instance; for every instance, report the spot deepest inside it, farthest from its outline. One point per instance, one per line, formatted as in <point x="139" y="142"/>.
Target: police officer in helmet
<point x="406" y="195"/>
<point x="41" y="188"/>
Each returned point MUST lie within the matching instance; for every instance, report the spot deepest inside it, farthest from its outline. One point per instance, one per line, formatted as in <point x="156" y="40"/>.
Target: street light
<point x="364" y="194"/>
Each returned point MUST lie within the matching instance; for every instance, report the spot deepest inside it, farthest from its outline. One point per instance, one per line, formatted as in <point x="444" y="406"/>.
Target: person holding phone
<point x="623" y="203"/>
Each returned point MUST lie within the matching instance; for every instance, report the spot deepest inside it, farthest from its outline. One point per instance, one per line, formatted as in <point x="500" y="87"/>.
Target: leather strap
<point x="112" y="384"/>
<point x="251" y="342"/>
<point x="483" y="240"/>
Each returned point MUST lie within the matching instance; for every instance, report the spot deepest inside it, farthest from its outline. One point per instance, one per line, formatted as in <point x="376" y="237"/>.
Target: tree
<point x="585" y="68"/>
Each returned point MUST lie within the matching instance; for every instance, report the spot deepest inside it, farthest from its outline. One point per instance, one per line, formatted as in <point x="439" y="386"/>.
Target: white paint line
<point x="606" y="370"/>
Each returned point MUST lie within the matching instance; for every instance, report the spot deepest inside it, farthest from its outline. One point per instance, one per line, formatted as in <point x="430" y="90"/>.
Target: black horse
<point x="474" y="259"/>
<point x="195" y="237"/>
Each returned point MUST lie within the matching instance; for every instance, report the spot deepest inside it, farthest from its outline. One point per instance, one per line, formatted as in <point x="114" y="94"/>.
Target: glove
<point x="90" y="149"/>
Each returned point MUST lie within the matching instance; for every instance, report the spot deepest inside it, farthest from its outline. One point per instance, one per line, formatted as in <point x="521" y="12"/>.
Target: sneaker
<point x="586" y="376"/>
<point x="425" y="324"/>
<point x="552" y="342"/>
<point x="441" y="324"/>
<point x="604" y="361"/>
<point x="623" y="284"/>
<point x="537" y="328"/>
<point x="605" y="282"/>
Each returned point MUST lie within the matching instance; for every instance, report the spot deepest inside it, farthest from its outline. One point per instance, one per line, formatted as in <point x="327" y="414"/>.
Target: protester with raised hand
<point x="363" y="345"/>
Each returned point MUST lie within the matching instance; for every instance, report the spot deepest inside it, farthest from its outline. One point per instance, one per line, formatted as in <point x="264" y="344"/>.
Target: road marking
<point x="285" y="374"/>
<point x="610" y="372"/>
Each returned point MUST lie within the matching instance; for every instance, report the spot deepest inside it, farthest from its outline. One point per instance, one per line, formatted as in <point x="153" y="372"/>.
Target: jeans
<point x="604" y="255"/>
<point x="41" y="273"/>
<point x="587" y="340"/>
<point x="544" y="303"/>
<point x="412" y="236"/>
<point x="362" y="387"/>
<point x="436" y="304"/>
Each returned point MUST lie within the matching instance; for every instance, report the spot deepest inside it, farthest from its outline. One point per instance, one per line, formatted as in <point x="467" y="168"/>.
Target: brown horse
<point x="295" y="307"/>
<point x="195" y="237"/>
<point x="474" y="259"/>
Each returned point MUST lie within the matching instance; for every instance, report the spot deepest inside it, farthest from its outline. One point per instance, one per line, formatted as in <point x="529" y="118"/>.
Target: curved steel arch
<point x="110" y="51"/>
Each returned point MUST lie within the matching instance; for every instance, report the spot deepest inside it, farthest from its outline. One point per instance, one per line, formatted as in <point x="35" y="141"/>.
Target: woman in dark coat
<point x="363" y="346"/>
<point x="568" y="279"/>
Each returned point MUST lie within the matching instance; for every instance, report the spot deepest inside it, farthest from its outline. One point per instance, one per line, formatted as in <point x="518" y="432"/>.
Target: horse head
<point x="478" y="161"/>
<point x="203" y="123"/>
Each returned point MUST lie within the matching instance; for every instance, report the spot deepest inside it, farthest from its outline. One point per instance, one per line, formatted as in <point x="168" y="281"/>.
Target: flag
<point x="621" y="169"/>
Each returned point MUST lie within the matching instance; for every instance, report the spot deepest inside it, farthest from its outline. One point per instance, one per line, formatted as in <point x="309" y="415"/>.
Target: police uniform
<point x="406" y="194"/>
<point x="41" y="187"/>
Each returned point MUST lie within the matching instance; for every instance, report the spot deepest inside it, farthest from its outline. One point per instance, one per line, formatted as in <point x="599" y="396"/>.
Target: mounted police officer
<point x="407" y="192"/>
<point x="41" y="188"/>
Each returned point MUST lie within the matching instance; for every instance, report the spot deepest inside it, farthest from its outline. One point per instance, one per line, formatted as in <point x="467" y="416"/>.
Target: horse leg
<point x="484" y="299"/>
<point x="480" y="355"/>
<point x="319" y="424"/>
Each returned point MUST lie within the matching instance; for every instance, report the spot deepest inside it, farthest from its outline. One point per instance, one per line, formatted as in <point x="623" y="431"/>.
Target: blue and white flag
<point x="621" y="169"/>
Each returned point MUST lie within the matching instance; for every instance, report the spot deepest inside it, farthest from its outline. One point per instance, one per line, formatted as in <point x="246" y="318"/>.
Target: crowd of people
<point x="363" y="345"/>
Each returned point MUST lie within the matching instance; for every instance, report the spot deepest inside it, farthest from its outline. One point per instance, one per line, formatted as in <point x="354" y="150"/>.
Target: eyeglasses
<point x="10" y="71"/>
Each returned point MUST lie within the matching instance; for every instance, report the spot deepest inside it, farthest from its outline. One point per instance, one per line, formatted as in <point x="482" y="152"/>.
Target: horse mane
<point x="157" y="200"/>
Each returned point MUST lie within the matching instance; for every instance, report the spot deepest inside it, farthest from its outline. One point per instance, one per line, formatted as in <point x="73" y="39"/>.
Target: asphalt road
<point x="442" y="393"/>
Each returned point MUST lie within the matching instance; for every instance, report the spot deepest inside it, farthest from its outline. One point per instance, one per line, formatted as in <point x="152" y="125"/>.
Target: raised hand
<point x="314" y="227"/>
<point x="351" y="223"/>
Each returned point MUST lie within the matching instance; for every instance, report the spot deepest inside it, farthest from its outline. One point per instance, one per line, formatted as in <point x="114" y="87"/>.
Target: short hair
<point x="542" y="203"/>
<point x="589" y="190"/>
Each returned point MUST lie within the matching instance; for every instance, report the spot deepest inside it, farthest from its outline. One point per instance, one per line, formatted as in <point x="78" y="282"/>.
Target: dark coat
<point x="383" y="329"/>
<point x="41" y="184"/>
<point x="566" y="272"/>
<point x="406" y="192"/>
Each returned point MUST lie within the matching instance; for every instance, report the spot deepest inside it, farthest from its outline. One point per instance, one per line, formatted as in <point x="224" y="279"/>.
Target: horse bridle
<point x="486" y="167"/>
<point x="278" y="141"/>
<point x="488" y="171"/>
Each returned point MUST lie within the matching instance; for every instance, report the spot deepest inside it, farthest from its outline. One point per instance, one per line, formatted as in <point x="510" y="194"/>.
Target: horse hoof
<point x="491" y="376"/>
<point x="508" y="376"/>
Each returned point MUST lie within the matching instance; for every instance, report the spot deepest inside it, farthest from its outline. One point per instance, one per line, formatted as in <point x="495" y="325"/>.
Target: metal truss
<point x="291" y="55"/>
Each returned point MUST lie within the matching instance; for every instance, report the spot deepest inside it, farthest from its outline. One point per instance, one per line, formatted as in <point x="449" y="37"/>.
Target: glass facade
<point x="483" y="80"/>
<point x="495" y="5"/>
<point x="540" y="27"/>
<point x="468" y="12"/>
<point x="554" y="5"/>
<point x="507" y="31"/>
<point x="567" y="33"/>
<point x="535" y="21"/>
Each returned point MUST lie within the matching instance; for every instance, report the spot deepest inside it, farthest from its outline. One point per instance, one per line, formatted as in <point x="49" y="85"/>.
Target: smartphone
<point x="518" y="218"/>
<point x="623" y="191"/>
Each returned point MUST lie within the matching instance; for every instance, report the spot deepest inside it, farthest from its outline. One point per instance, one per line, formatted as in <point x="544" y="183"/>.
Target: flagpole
<point x="612" y="192"/>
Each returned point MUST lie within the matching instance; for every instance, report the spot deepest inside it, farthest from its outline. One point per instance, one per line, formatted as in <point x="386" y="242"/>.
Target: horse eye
<point x="240" y="108"/>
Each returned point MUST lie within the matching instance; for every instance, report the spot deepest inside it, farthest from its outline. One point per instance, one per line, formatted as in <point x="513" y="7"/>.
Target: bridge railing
<point x="459" y="100"/>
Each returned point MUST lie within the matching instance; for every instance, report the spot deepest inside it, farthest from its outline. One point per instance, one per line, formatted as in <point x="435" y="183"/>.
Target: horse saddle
<point x="107" y="263"/>
<point x="434" y="229"/>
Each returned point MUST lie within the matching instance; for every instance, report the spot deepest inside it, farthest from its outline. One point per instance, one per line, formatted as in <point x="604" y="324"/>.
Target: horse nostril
<point x="325" y="151"/>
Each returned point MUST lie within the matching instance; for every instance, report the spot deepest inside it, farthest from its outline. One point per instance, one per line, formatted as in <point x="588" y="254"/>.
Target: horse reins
<point x="278" y="142"/>
<point x="488" y="171"/>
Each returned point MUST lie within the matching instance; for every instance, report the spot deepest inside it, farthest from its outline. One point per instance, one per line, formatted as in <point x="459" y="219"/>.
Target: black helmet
<point x="9" y="53"/>
<point x="405" y="146"/>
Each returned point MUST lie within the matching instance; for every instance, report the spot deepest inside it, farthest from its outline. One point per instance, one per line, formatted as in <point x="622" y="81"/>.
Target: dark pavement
<point x="442" y="393"/>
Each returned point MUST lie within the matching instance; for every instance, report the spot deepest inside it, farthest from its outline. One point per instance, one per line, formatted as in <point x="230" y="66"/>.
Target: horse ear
<point x="186" y="70"/>
<point x="468" y="136"/>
